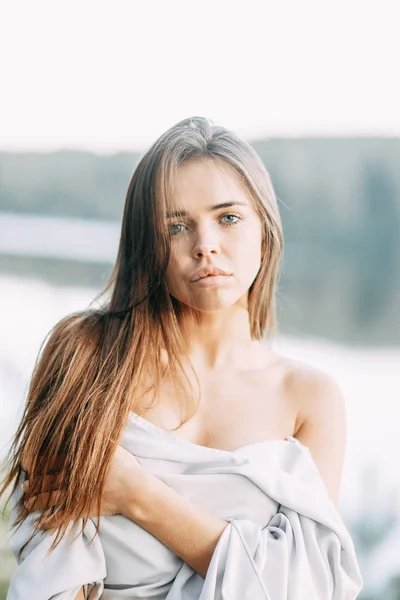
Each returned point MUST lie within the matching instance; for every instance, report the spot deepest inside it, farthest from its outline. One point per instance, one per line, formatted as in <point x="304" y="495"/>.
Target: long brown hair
<point x="90" y="373"/>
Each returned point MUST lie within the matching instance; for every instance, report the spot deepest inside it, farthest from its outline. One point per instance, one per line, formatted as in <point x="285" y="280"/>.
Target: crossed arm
<point x="188" y="530"/>
<point x="192" y="532"/>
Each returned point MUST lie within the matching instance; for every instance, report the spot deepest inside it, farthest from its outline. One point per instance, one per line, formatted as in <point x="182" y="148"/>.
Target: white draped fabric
<point x="285" y="539"/>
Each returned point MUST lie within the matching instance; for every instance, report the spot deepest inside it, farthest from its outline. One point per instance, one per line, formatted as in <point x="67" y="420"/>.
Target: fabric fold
<point x="60" y="574"/>
<point x="289" y="559"/>
<point x="285" y="540"/>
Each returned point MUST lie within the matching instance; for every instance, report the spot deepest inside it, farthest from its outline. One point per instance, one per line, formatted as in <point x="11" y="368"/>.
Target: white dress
<point x="285" y="539"/>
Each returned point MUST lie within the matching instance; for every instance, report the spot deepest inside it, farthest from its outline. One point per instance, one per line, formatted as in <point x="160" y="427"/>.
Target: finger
<point x="50" y="482"/>
<point x="57" y="463"/>
<point x="42" y="501"/>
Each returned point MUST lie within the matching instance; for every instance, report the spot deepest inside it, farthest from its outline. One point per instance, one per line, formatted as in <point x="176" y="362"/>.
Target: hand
<point x="123" y="478"/>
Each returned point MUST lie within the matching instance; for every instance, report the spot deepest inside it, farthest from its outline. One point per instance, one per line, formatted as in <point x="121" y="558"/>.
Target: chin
<point x="210" y="304"/>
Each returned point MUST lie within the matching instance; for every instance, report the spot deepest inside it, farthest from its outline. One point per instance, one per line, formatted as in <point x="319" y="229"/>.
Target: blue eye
<point x="173" y="232"/>
<point x="232" y="222"/>
<point x="174" y="227"/>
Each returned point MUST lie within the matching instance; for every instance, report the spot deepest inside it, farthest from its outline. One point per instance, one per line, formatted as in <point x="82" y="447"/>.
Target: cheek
<point x="247" y="250"/>
<point x="247" y="264"/>
<point x="173" y="276"/>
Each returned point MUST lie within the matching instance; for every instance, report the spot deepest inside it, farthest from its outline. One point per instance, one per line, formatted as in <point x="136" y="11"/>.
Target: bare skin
<point x="224" y="420"/>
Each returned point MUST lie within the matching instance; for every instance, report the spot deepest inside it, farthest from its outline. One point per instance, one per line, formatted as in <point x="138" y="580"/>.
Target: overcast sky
<point x="109" y="76"/>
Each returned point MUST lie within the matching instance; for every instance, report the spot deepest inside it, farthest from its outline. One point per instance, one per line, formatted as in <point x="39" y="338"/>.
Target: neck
<point x="218" y="340"/>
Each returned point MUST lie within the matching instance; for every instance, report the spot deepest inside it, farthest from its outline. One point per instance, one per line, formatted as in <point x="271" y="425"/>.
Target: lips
<point x="209" y="271"/>
<point x="211" y="281"/>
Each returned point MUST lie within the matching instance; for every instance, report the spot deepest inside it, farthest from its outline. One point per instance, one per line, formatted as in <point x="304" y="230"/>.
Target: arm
<point x="323" y="428"/>
<point x="80" y="595"/>
<point x="188" y="530"/>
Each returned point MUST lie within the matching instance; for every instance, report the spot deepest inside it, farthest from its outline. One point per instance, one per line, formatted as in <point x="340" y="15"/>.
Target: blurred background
<point x="86" y="87"/>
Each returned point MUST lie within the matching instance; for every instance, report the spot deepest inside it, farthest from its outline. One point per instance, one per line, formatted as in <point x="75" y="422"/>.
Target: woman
<point x="142" y="413"/>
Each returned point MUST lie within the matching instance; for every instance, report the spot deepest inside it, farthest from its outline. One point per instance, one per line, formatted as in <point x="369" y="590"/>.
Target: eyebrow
<point x="184" y="213"/>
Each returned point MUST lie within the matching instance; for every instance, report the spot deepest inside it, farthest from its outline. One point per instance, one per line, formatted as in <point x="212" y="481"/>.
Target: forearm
<point x="188" y="530"/>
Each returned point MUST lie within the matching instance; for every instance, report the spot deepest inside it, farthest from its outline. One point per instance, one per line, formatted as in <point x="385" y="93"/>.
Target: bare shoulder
<point x="310" y="389"/>
<point x="321" y="424"/>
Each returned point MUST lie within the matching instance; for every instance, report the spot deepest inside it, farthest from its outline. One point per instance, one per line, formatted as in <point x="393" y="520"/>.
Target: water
<point x="73" y="239"/>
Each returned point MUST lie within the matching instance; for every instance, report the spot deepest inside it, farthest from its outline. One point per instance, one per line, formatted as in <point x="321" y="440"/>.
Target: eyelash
<point x="239" y="218"/>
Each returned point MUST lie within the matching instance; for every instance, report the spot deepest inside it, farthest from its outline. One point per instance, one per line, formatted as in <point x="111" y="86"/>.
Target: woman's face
<point x="216" y="226"/>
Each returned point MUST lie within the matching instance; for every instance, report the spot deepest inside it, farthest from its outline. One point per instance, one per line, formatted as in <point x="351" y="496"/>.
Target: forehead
<point x="205" y="183"/>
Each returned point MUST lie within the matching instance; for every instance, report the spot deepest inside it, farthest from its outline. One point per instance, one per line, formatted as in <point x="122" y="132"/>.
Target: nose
<point x="205" y="245"/>
<point x="204" y="251"/>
